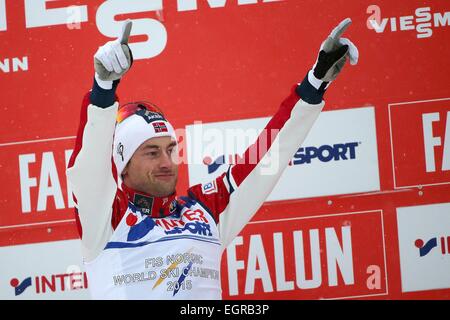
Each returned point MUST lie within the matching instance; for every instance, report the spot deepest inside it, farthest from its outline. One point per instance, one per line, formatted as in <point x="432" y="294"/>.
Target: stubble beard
<point x="159" y="188"/>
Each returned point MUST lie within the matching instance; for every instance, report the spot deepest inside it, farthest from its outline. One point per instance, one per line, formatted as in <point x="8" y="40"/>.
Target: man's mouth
<point x="164" y="176"/>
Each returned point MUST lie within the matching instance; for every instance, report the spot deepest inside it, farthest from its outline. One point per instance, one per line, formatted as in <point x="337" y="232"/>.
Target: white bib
<point x="177" y="257"/>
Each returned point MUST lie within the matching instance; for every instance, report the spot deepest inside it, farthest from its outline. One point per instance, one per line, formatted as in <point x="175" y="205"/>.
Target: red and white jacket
<point x="174" y="250"/>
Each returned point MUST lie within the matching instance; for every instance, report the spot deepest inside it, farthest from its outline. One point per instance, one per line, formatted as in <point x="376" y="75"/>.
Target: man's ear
<point x="125" y="171"/>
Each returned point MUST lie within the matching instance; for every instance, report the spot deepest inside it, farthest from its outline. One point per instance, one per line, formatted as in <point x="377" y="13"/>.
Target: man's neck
<point x="157" y="207"/>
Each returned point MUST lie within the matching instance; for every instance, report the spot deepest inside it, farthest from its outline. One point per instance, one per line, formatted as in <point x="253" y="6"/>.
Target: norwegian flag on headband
<point x="159" y="127"/>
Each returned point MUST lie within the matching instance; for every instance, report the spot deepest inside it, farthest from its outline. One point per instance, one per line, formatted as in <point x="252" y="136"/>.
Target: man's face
<point x="152" y="168"/>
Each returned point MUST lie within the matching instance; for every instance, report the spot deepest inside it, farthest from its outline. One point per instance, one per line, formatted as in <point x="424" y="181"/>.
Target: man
<point x="139" y="239"/>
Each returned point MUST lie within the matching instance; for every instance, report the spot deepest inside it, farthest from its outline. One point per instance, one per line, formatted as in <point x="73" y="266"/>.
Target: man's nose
<point x="166" y="161"/>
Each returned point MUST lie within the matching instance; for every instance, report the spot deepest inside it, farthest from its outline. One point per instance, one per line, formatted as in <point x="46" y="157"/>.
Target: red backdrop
<point x="224" y="61"/>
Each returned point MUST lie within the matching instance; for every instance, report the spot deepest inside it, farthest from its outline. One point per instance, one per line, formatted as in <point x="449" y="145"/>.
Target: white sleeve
<point x="250" y="185"/>
<point x="92" y="180"/>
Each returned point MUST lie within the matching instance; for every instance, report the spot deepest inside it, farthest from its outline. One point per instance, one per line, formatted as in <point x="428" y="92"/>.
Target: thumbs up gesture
<point x="114" y="58"/>
<point x="334" y="53"/>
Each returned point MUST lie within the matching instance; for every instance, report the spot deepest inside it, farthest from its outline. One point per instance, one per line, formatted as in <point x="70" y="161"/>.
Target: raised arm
<point x="91" y="171"/>
<point x="240" y="192"/>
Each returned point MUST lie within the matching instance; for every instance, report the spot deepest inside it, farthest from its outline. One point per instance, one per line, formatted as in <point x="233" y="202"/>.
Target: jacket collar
<point x="156" y="207"/>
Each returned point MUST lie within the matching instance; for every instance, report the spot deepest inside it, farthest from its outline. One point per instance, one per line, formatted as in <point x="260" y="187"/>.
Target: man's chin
<point x="166" y="189"/>
<point x="165" y="193"/>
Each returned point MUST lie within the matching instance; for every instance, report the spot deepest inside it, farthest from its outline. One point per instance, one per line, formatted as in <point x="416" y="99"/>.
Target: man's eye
<point x="152" y="153"/>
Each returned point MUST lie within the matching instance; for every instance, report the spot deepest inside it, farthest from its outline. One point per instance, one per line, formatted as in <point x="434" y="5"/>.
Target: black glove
<point x="330" y="62"/>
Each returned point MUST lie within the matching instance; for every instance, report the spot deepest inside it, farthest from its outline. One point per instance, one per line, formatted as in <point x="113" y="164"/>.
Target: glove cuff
<point x="104" y="84"/>
<point x="101" y="95"/>
<point x="315" y="82"/>
<point x="311" y="90"/>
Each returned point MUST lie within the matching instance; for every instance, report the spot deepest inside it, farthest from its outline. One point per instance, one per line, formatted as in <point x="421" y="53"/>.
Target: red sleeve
<point x="215" y="195"/>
